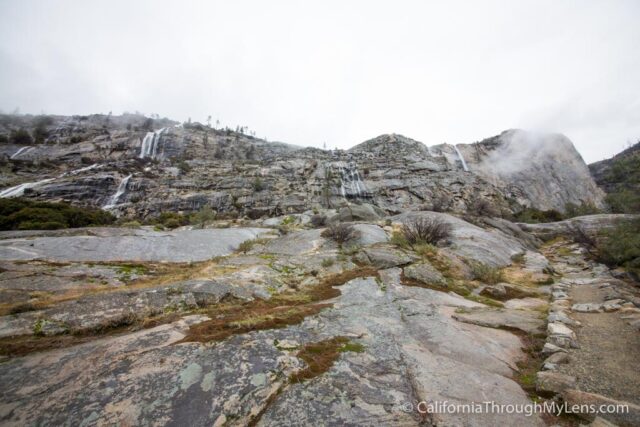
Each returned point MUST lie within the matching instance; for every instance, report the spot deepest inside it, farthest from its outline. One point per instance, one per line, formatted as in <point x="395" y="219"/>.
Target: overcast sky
<point x="338" y="72"/>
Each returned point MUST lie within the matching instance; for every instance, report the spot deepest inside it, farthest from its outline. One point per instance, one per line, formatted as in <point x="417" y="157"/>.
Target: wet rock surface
<point x="415" y="327"/>
<point x="405" y="342"/>
<point x="139" y="245"/>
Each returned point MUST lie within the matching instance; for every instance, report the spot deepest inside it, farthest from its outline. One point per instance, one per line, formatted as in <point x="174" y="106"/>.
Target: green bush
<point x="24" y="214"/>
<point x="533" y="216"/>
<point x="131" y="224"/>
<point x="625" y="170"/>
<point x="328" y="262"/>
<point x="170" y="220"/>
<point x="486" y="273"/>
<point x="172" y="223"/>
<point x="620" y="246"/>
<point x="203" y="216"/>
<point x="20" y="137"/>
<point x="258" y="185"/>
<point x="572" y="210"/>
<point x="37" y="225"/>
<point x="624" y="201"/>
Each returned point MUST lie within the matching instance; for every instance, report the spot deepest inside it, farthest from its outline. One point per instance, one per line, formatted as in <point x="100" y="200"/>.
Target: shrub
<point x="624" y="201"/>
<point x="131" y="224"/>
<point x="289" y="220"/>
<point x="247" y="245"/>
<point x="21" y="137"/>
<point x="172" y="223"/>
<point x="340" y="233"/>
<point x="572" y="210"/>
<point x="533" y="216"/>
<point x="318" y="220"/>
<point x="398" y="239"/>
<point x="426" y="230"/>
<point x="24" y="214"/>
<point x="184" y="167"/>
<point x="486" y="273"/>
<point x="203" y="216"/>
<point x="426" y="250"/>
<point x="41" y="225"/>
<point x="328" y="262"/>
<point x="171" y="220"/>
<point x="258" y="185"/>
<point x="620" y="246"/>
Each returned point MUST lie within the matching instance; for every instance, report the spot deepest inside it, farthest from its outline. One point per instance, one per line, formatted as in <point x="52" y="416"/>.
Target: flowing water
<point x="122" y="188"/>
<point x="150" y="144"/>
<point x="464" y="164"/>
<point x="18" y="190"/>
<point x="20" y="151"/>
<point x="351" y="184"/>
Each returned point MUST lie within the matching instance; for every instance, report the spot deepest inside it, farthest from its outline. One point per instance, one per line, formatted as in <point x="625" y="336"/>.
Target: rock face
<point x="113" y="331"/>
<point x="412" y="351"/>
<point x="140" y="167"/>
<point x="132" y="245"/>
<point x="541" y="170"/>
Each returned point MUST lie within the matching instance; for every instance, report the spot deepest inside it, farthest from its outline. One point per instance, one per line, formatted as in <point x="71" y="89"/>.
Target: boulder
<point x="526" y="303"/>
<point x="579" y="399"/>
<point x="525" y="321"/>
<point x="363" y="212"/>
<point x="424" y="272"/>
<point x="507" y="291"/>
<point x="554" y="382"/>
<point x="369" y="234"/>
<point x="587" y="308"/>
<point x="383" y="257"/>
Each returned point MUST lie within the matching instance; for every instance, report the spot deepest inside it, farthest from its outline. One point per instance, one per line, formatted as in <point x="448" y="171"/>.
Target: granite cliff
<point x="139" y="167"/>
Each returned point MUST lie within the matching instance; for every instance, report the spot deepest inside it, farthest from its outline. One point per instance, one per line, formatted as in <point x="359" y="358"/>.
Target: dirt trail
<point x="606" y="361"/>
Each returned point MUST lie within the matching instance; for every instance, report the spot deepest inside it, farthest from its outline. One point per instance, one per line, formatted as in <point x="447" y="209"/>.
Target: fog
<point x="335" y="72"/>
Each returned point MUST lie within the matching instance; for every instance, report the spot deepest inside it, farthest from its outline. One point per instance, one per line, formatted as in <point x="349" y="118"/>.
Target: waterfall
<point x="351" y="185"/>
<point x="18" y="190"/>
<point x="20" y="151"/>
<point x="119" y="192"/>
<point x="77" y="171"/>
<point x="430" y="152"/>
<point x="150" y="144"/>
<point x="464" y="164"/>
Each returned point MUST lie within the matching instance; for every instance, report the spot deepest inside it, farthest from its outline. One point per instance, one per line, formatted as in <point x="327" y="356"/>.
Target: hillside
<point x="619" y="176"/>
<point x="139" y="167"/>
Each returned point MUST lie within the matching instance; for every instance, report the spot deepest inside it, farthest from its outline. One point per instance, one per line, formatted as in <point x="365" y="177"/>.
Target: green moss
<point x="328" y="262"/>
<point x="484" y="300"/>
<point x="353" y="347"/>
<point x="288" y="220"/>
<point x="37" y="327"/>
